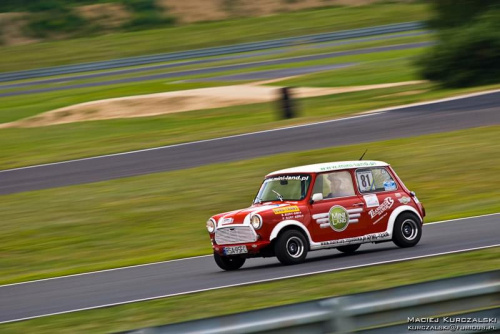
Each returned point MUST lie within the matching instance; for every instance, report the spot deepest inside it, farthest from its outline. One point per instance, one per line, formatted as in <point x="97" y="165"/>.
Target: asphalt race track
<point x="445" y="116"/>
<point x="93" y="290"/>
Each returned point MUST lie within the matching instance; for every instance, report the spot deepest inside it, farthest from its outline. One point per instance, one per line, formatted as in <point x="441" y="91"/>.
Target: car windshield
<point x="284" y="188"/>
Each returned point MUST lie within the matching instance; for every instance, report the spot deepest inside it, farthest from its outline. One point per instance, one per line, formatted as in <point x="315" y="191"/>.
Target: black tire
<point x="407" y="230"/>
<point x="229" y="262"/>
<point x="291" y="247"/>
<point x="348" y="249"/>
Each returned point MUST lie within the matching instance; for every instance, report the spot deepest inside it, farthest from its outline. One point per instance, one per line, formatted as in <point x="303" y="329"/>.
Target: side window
<point x="336" y="184"/>
<point x="374" y="180"/>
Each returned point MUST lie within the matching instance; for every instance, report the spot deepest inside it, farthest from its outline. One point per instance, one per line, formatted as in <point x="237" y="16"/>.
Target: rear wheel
<point x="348" y="249"/>
<point x="291" y="247"/>
<point x="407" y="230"/>
<point x="229" y="262"/>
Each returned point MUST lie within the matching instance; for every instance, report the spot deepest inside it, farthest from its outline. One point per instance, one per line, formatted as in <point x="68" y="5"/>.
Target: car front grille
<point x="235" y="235"/>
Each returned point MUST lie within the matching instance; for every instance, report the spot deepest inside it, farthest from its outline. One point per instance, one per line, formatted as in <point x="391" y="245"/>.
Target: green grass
<point x="18" y="107"/>
<point x="288" y="52"/>
<point x="28" y="146"/>
<point x="47" y="144"/>
<point x="161" y="216"/>
<point x="368" y="73"/>
<point x="206" y="35"/>
<point x="241" y="299"/>
<point x="22" y="106"/>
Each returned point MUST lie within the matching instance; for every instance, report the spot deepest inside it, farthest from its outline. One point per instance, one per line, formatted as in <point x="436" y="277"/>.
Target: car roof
<point x="329" y="166"/>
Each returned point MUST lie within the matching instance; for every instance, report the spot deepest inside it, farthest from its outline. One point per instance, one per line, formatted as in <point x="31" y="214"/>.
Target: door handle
<point x="359" y="204"/>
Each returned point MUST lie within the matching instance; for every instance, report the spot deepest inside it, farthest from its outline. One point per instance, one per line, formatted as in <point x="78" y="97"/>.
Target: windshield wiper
<point x="278" y="194"/>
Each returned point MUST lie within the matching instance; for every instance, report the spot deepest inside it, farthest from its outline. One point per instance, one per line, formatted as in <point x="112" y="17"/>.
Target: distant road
<point x="108" y="73"/>
<point x="218" y="69"/>
<point x="213" y="51"/>
<point x="150" y="281"/>
<point x="402" y="122"/>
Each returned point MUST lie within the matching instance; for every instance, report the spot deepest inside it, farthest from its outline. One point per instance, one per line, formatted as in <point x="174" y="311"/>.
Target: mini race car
<point x="329" y="205"/>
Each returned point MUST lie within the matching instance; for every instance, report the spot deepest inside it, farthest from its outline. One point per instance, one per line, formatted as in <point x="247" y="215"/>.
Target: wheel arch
<point x="290" y="225"/>
<point x="398" y="211"/>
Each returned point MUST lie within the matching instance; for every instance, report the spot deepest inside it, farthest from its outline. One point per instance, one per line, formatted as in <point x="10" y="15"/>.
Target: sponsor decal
<point x="386" y="205"/>
<point x="323" y="219"/>
<point x="338" y="218"/>
<point x="287" y="209"/>
<point x="398" y="194"/>
<point x="349" y="165"/>
<point x="227" y="221"/>
<point x="389" y="185"/>
<point x="298" y="215"/>
<point x="371" y="200"/>
<point x="404" y="200"/>
<point x="382" y="217"/>
<point x="361" y="239"/>
<point x="289" y="178"/>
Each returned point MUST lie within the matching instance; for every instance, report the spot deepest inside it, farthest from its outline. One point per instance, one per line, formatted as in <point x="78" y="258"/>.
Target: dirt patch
<point x="188" y="11"/>
<point x="106" y="15"/>
<point x="178" y="101"/>
<point x="12" y="27"/>
<point x="109" y="17"/>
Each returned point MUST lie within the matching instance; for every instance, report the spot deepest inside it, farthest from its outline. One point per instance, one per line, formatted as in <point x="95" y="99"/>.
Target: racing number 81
<point x="365" y="180"/>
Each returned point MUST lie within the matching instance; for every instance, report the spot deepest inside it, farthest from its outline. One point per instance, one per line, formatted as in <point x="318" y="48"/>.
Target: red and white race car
<point x="329" y="205"/>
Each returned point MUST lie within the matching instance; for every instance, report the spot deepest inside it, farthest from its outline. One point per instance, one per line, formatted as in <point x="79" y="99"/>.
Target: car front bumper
<point x="254" y="249"/>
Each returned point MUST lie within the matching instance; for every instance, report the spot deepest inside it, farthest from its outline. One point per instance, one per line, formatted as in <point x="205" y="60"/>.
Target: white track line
<point x="190" y="143"/>
<point x="258" y="281"/>
<point x="189" y="258"/>
<point x="455" y="219"/>
<point x="364" y="114"/>
<point x="106" y="270"/>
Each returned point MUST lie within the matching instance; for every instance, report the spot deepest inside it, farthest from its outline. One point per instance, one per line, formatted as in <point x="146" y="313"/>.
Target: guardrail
<point x="214" y="51"/>
<point x="385" y="311"/>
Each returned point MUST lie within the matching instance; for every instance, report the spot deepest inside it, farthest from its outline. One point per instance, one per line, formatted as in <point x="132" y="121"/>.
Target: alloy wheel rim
<point x="295" y="247"/>
<point x="409" y="229"/>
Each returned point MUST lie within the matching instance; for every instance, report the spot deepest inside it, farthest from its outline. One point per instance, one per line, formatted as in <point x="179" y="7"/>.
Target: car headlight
<point x="256" y="221"/>
<point x="211" y="225"/>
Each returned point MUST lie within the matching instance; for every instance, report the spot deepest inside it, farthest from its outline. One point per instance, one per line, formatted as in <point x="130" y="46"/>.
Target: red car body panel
<point x="371" y="216"/>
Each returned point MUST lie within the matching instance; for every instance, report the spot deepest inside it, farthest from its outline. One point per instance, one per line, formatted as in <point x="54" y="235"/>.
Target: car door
<point x="338" y="214"/>
<point x="380" y="193"/>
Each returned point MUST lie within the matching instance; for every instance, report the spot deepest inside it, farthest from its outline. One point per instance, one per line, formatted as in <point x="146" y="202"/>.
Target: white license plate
<point x="235" y="250"/>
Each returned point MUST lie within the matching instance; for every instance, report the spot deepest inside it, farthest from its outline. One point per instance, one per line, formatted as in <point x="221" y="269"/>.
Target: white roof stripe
<point x="330" y="166"/>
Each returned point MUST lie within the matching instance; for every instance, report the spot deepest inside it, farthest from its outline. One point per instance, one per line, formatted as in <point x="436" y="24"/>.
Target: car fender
<point x="395" y="214"/>
<point x="285" y="223"/>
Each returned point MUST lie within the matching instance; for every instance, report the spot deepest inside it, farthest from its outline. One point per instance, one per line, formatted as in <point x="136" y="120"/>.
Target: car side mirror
<point x="316" y="197"/>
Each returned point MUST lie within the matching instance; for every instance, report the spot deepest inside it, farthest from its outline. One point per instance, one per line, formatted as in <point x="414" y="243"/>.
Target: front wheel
<point x="407" y="230"/>
<point x="291" y="247"/>
<point x="229" y="262"/>
<point x="348" y="249"/>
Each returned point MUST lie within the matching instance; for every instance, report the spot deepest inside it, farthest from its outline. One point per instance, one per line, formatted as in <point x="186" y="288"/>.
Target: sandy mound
<point x="178" y="101"/>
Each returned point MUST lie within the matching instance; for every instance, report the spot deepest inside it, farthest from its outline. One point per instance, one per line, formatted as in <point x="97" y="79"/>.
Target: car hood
<point x="243" y="216"/>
